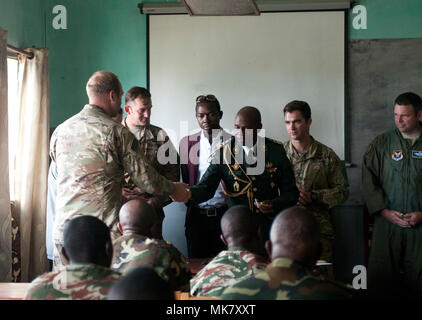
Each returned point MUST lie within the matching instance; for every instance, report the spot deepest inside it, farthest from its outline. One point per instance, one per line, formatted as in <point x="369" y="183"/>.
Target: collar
<point x="140" y="132"/>
<point x="96" y="109"/>
<point x="311" y="153"/>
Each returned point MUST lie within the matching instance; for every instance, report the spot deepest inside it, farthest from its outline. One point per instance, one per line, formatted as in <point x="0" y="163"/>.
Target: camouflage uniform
<point x="92" y="152"/>
<point x="285" y="279"/>
<point x="225" y="269"/>
<point x="151" y="138"/>
<point x="320" y="170"/>
<point x="132" y="251"/>
<point x="74" y="282"/>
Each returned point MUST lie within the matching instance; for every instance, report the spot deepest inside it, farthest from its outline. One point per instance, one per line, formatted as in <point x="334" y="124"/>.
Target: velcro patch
<point x="416" y="154"/>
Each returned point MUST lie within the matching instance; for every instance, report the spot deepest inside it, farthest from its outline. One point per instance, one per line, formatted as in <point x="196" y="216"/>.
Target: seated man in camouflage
<point x="141" y="284"/>
<point x="88" y="248"/>
<point x="239" y="229"/>
<point x="138" y="247"/>
<point x="294" y="248"/>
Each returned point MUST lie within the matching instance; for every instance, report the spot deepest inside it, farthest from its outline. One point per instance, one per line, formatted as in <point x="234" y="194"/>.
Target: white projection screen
<point x="263" y="61"/>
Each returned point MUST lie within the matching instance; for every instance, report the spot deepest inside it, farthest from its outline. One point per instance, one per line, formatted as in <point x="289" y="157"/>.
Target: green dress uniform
<point x="285" y="279"/>
<point x="321" y="171"/>
<point x="243" y="184"/>
<point x="392" y="179"/>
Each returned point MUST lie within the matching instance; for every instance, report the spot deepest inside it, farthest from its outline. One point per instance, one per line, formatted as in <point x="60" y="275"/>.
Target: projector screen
<point x="263" y="61"/>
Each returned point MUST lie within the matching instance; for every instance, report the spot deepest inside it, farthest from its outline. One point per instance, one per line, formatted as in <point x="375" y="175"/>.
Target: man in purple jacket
<point x="202" y="225"/>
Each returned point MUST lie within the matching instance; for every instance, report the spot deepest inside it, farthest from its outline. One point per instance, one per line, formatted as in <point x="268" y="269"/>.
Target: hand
<point x="395" y="217"/>
<point x="413" y="218"/>
<point x="305" y="197"/>
<point x="266" y="206"/>
<point x="181" y="192"/>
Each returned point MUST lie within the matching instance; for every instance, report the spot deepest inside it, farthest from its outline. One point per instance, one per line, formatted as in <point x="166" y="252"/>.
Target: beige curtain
<point x="5" y="217"/>
<point x="31" y="162"/>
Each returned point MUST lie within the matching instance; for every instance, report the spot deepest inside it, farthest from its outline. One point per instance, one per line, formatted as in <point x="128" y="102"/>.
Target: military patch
<point x="416" y="154"/>
<point x="268" y="164"/>
<point x="397" y="155"/>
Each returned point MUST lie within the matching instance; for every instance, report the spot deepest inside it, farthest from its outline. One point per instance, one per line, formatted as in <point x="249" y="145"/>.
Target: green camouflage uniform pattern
<point x="228" y="267"/>
<point x="92" y="152"/>
<point x="151" y="138"/>
<point x="74" y="282"/>
<point x="132" y="251"/>
<point x="285" y="279"/>
<point x="321" y="171"/>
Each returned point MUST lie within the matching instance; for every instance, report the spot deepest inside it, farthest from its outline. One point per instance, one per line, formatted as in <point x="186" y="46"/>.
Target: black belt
<point x="212" y="212"/>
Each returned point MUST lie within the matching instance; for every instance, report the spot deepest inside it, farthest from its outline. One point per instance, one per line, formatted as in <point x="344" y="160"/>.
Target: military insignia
<point x="397" y="155"/>
<point x="236" y="186"/>
<point x="416" y="154"/>
<point x="236" y="149"/>
<point x="236" y="166"/>
<point x="268" y="164"/>
<point x="272" y="170"/>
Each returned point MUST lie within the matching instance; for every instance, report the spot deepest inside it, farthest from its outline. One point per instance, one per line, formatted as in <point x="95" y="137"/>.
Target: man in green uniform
<point x="255" y="172"/>
<point x="294" y="249"/>
<point x="91" y="152"/>
<point x="320" y="175"/>
<point x="392" y="186"/>
<point x="157" y="147"/>
<point x="137" y="247"/>
<point x="87" y="245"/>
<point x="239" y="227"/>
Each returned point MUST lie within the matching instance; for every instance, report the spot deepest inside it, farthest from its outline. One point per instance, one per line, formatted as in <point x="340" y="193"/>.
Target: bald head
<point x="240" y="228"/>
<point x="87" y="240"/>
<point x="295" y="235"/>
<point x="137" y="216"/>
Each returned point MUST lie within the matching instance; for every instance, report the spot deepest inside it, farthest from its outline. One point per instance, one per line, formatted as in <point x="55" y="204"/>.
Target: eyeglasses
<point x="208" y="97"/>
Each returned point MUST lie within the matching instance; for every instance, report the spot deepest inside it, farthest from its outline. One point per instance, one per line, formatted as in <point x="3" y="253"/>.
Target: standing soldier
<point x="392" y="186"/>
<point x="157" y="148"/>
<point x="320" y="175"/>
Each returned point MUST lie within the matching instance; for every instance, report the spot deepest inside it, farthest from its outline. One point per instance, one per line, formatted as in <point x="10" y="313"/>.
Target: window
<point x="13" y="113"/>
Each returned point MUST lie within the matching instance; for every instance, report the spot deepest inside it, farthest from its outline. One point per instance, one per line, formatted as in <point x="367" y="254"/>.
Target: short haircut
<point x="212" y="103"/>
<point x="136" y="92"/>
<point x="409" y="98"/>
<point x="102" y="82"/>
<point x="84" y="238"/>
<point x="141" y="284"/>
<point x="301" y="106"/>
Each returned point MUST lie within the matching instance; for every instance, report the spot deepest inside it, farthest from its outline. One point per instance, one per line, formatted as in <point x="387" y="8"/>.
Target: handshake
<point x="181" y="192"/>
